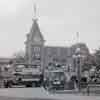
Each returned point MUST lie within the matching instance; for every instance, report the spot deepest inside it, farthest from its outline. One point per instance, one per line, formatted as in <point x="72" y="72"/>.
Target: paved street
<point x="39" y="94"/>
<point x="12" y="98"/>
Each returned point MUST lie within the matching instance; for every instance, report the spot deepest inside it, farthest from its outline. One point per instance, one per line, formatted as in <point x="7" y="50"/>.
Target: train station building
<point x="47" y="57"/>
<point x="38" y="53"/>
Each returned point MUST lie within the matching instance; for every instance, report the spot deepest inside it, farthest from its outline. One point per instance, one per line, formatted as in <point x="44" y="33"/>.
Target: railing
<point x="93" y="88"/>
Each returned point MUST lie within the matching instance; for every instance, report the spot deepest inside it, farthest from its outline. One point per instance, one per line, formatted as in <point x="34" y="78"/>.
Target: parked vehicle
<point x="56" y="80"/>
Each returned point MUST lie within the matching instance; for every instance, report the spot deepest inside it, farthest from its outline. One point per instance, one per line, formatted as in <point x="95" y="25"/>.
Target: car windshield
<point x="57" y="75"/>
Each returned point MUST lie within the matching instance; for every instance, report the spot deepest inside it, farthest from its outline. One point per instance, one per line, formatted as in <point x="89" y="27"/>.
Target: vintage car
<point x="56" y="80"/>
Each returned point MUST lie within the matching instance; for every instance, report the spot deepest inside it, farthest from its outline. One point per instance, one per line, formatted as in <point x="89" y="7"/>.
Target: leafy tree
<point x="97" y="58"/>
<point x="88" y="62"/>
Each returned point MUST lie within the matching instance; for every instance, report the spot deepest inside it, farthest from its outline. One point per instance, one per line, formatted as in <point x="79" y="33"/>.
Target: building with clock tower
<point x="34" y="44"/>
<point x="39" y="54"/>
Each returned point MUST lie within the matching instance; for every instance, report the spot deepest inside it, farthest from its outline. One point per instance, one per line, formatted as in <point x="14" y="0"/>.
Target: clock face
<point x="37" y="39"/>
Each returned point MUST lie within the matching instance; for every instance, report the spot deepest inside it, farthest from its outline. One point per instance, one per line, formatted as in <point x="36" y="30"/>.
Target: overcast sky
<point x="59" y="20"/>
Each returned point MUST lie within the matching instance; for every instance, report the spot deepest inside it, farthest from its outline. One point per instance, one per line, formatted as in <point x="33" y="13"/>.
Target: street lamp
<point x="77" y="57"/>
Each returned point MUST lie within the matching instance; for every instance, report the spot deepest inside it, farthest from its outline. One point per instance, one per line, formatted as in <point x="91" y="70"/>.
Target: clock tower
<point x="34" y="44"/>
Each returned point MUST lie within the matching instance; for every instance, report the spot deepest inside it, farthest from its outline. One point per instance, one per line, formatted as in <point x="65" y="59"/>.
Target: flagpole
<point x="77" y="36"/>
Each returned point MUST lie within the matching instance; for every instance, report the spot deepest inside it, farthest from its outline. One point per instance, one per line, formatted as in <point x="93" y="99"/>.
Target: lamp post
<point x="77" y="58"/>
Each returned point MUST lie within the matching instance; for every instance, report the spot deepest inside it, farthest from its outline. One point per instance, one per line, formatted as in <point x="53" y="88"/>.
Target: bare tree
<point x="19" y="56"/>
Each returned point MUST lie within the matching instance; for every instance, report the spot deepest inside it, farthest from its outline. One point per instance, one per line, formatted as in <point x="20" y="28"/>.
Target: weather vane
<point x="35" y="12"/>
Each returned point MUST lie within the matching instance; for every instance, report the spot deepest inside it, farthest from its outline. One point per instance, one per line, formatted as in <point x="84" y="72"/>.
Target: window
<point x="36" y="49"/>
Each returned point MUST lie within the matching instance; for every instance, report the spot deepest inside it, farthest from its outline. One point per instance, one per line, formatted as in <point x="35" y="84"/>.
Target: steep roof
<point x="35" y="31"/>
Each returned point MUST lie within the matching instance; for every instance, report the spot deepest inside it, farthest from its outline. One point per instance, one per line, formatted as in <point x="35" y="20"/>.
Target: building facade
<point x="34" y="45"/>
<point x="39" y="54"/>
<point x="47" y="57"/>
